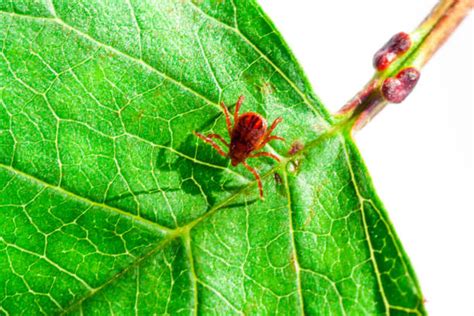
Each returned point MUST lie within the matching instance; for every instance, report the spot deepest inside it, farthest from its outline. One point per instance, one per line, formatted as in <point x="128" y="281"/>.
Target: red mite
<point x="248" y="134"/>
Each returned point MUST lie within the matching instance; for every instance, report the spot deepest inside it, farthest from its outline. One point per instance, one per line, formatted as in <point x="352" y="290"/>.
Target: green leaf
<point x="110" y="204"/>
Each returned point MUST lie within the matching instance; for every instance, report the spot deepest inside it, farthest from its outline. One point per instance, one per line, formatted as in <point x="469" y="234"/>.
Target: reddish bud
<point x="396" y="89"/>
<point x="395" y="47"/>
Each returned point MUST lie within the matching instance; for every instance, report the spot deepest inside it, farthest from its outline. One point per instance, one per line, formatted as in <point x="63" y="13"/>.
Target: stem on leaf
<point x="399" y="61"/>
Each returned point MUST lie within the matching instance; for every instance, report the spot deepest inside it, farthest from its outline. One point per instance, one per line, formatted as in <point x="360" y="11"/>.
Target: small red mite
<point x="248" y="134"/>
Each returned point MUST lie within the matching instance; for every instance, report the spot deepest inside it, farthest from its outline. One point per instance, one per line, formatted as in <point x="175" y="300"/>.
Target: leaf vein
<point x="366" y="229"/>
<point x="259" y="52"/>
<point x="293" y="245"/>
<point x="70" y="194"/>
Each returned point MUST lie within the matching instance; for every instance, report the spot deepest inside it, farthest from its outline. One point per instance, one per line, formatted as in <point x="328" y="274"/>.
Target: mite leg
<point x="257" y="177"/>
<point x="274" y="124"/>
<point x="237" y="108"/>
<point x="212" y="143"/>
<point x="267" y="139"/>
<point x="265" y="154"/>
<point x="227" y="119"/>
<point x="219" y="137"/>
<point x="274" y="138"/>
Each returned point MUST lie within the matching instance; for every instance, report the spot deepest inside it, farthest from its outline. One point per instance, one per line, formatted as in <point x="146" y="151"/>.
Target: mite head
<point x="238" y="152"/>
<point x="235" y="162"/>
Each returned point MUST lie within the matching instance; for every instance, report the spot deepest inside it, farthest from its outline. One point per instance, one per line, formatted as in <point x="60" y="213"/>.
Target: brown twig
<point x="398" y="63"/>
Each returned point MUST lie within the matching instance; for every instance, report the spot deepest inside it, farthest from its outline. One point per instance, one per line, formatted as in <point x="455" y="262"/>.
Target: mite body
<point x="248" y="134"/>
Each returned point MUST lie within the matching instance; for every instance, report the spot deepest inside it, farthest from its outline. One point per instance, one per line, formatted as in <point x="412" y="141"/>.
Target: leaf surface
<point x="110" y="204"/>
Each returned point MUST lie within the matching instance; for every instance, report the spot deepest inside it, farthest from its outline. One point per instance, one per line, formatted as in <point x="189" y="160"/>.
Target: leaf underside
<point x="109" y="203"/>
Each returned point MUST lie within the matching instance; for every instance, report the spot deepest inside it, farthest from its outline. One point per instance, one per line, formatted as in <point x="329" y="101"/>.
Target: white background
<point x="419" y="152"/>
